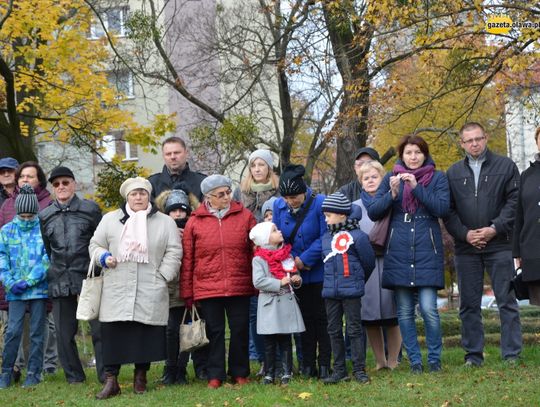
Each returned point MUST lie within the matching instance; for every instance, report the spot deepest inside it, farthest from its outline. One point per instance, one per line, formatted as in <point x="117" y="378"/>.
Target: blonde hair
<point x="368" y="166"/>
<point x="248" y="181"/>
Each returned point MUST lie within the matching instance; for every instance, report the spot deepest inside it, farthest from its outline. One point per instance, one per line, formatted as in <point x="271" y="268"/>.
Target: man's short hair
<point x="471" y="126"/>
<point x="174" y="139"/>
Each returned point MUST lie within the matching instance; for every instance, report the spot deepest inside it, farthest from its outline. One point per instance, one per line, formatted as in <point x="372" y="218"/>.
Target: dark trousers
<point x="256" y="342"/>
<point x="470" y="270"/>
<point x="115" y="369"/>
<point x="64" y="313"/>
<point x="277" y="354"/>
<point x="316" y="333"/>
<point x="178" y="359"/>
<point x="351" y="308"/>
<point x="236" y="309"/>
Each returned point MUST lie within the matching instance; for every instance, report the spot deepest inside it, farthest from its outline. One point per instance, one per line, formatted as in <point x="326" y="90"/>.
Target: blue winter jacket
<point x="23" y="257"/>
<point x="361" y="259"/>
<point x="307" y="242"/>
<point x="414" y="255"/>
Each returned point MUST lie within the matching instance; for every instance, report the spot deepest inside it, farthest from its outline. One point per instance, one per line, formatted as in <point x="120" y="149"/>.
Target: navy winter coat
<point x="307" y="242"/>
<point x="361" y="260"/>
<point x="414" y="255"/>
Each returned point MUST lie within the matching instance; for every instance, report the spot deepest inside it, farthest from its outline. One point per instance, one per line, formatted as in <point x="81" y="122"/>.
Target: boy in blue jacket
<point x="348" y="261"/>
<point x="23" y="272"/>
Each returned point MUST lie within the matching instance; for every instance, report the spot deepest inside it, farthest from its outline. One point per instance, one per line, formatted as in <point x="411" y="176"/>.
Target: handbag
<point x="519" y="286"/>
<point x="90" y="296"/>
<point x="379" y="233"/>
<point x="192" y="334"/>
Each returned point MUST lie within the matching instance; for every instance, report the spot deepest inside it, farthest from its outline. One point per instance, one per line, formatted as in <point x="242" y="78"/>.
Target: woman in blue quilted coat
<point x="417" y="195"/>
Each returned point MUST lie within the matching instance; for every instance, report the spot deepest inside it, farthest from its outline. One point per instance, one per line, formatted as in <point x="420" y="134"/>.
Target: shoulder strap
<point x="300" y="219"/>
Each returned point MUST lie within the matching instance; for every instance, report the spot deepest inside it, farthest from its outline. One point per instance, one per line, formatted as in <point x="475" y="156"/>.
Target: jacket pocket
<point x="432" y="237"/>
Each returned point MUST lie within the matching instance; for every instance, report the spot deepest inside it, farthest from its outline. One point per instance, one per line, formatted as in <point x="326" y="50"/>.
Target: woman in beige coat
<point x="140" y="252"/>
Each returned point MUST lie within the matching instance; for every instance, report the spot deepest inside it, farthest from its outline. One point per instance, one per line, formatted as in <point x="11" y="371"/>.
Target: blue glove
<point x="19" y="288"/>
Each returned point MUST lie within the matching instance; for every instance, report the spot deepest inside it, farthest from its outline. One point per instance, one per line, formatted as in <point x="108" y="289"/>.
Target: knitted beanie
<point x="264" y="155"/>
<point x="291" y="181"/>
<point x="337" y="203"/>
<point x="260" y="233"/>
<point x="268" y="205"/>
<point x="26" y="201"/>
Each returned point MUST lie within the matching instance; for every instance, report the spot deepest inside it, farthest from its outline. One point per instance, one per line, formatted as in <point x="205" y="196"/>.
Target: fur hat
<point x="264" y="155"/>
<point x="135" y="183"/>
<point x="291" y="181"/>
<point x="26" y="201"/>
<point x="337" y="203"/>
<point x="260" y="233"/>
<point x="214" y="181"/>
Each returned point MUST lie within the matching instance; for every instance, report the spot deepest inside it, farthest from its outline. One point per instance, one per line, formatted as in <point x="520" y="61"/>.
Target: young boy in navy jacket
<point x="348" y="261"/>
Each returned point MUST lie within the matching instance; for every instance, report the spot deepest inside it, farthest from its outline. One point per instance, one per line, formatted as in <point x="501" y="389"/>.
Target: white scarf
<point x="133" y="245"/>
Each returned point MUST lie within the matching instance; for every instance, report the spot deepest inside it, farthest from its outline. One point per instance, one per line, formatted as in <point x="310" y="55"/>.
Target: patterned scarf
<point x="349" y="224"/>
<point x="274" y="257"/>
<point x="423" y="176"/>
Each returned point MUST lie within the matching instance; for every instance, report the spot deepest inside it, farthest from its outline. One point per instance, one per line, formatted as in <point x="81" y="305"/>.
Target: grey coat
<point x="277" y="310"/>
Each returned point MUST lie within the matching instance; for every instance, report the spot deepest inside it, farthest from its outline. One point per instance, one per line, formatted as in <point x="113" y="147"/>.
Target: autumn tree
<point x="332" y="55"/>
<point x="54" y="81"/>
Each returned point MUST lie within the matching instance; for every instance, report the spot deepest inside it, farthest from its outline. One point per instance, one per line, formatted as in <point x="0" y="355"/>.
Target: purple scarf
<point x="423" y="176"/>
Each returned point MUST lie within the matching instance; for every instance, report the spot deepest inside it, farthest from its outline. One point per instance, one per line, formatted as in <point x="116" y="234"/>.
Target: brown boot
<point x="139" y="381"/>
<point x="110" y="387"/>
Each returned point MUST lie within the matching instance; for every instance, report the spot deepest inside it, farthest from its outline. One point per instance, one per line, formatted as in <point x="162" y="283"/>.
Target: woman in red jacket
<point x="216" y="272"/>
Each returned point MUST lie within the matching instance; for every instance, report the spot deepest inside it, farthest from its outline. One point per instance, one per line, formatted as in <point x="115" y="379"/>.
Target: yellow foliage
<point x="61" y="75"/>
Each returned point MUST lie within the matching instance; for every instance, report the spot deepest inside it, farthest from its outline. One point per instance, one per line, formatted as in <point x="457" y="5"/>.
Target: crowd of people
<point x="273" y="260"/>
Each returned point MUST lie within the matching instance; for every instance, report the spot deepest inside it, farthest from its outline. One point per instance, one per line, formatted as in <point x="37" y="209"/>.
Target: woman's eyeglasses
<point x="221" y="195"/>
<point x="65" y="183"/>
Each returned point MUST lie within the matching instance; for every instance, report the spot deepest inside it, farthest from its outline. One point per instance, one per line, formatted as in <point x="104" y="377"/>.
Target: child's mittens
<point x="19" y="287"/>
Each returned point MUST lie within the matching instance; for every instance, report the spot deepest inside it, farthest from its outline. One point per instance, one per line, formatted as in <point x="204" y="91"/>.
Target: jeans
<point x="256" y="341"/>
<point x="335" y="309"/>
<point x="17" y="309"/>
<point x="426" y="297"/>
<point x="470" y="271"/>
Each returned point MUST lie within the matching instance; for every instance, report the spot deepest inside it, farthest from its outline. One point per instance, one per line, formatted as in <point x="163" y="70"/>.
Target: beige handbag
<point x="90" y="296"/>
<point x="192" y="334"/>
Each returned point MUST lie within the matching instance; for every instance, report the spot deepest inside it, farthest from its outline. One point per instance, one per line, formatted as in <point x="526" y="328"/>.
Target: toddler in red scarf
<point x="278" y="313"/>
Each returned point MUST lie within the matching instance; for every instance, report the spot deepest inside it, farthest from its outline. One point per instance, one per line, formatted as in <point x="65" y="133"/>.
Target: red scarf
<point x="274" y="257"/>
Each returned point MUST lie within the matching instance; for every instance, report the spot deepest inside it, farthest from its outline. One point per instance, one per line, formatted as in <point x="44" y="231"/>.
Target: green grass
<point x="495" y="384"/>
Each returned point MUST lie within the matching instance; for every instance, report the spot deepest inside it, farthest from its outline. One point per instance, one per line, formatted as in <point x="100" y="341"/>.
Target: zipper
<point x="389" y="239"/>
<point x="432" y="240"/>
<point x="223" y="255"/>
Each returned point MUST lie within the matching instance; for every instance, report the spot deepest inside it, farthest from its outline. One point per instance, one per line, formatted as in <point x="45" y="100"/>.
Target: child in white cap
<point x="278" y="313"/>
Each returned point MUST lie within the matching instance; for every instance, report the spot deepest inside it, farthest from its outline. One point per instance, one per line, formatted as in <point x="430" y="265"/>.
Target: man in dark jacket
<point x="353" y="189"/>
<point x="176" y="169"/>
<point x="484" y="190"/>
<point x="67" y="227"/>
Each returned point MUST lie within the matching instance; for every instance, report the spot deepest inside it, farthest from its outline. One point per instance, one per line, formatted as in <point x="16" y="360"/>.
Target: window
<point x="114" y="145"/>
<point x="123" y="80"/>
<point x="114" y="20"/>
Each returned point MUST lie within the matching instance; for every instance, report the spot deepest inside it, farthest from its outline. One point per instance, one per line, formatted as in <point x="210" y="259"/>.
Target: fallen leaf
<point x="304" y="395"/>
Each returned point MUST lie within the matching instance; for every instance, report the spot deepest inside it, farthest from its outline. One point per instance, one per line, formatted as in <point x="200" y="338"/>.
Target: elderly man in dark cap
<point x="8" y="166"/>
<point x="353" y="189"/>
<point x="67" y="227"/>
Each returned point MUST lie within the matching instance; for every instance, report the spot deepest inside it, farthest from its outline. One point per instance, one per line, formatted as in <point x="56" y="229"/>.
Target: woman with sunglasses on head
<point x="216" y="272"/>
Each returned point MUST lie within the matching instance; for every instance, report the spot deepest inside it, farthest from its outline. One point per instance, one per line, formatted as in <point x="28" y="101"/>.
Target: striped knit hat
<point x="26" y="201"/>
<point x="337" y="203"/>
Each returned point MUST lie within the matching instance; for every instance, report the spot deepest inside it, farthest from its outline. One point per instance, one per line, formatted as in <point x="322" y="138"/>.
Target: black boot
<point x="324" y="372"/>
<point x="286" y="362"/>
<point x="110" y="388"/>
<point x="169" y="375"/>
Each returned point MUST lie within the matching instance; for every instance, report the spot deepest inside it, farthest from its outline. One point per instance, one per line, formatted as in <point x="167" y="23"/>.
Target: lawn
<point x="495" y="384"/>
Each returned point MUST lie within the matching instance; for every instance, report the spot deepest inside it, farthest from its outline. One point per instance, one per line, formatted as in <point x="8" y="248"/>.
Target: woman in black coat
<point x="527" y="226"/>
